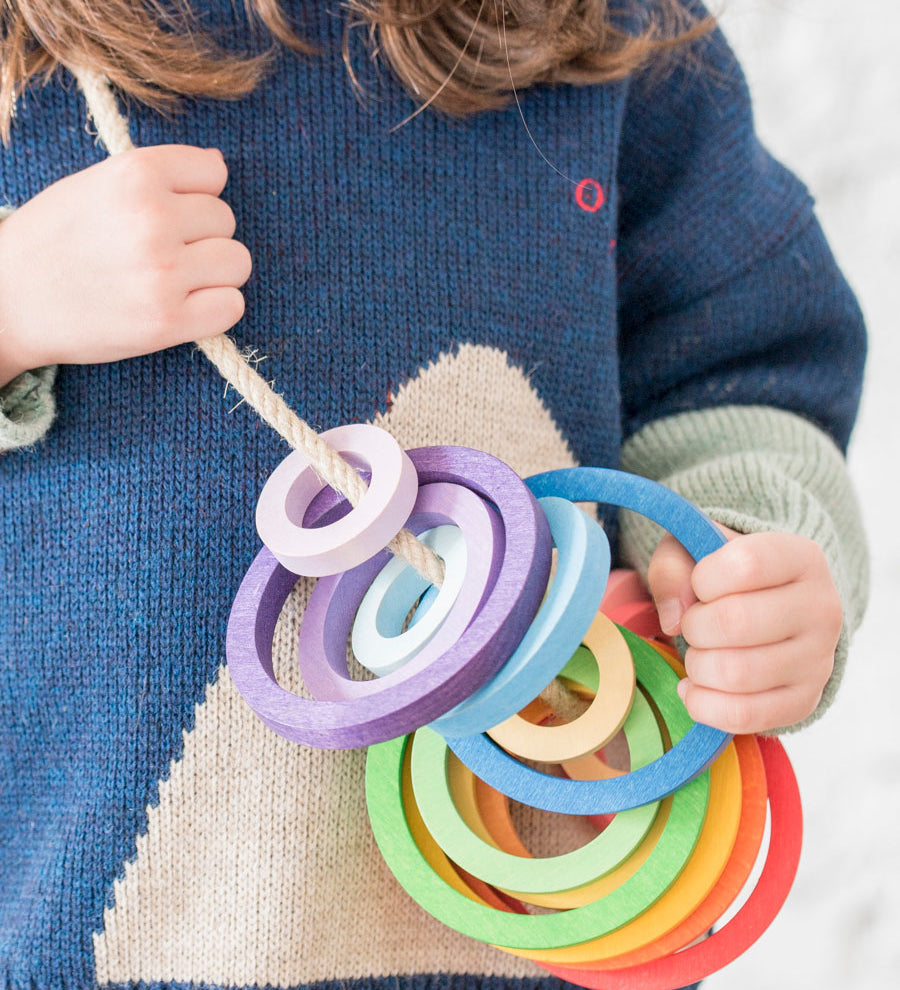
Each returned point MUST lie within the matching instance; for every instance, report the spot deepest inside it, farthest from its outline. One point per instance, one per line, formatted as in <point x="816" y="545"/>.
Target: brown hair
<point x="459" y="56"/>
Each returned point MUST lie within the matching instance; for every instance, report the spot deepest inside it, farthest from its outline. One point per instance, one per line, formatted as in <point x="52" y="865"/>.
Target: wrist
<point x="14" y="356"/>
<point x="7" y="374"/>
<point x="12" y="360"/>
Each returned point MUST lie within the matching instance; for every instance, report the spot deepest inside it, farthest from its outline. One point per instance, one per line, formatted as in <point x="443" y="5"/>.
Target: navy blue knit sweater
<point x="440" y="276"/>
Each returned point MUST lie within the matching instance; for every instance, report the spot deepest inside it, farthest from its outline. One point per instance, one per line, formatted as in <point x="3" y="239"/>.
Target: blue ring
<point x="692" y="754"/>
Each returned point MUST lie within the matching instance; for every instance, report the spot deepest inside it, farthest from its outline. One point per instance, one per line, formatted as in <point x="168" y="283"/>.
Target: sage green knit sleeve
<point x="27" y="406"/>
<point x="757" y="469"/>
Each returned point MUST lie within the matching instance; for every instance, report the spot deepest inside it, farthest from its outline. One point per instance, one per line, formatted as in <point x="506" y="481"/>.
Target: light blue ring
<point x="564" y="617"/>
<point x="378" y="639"/>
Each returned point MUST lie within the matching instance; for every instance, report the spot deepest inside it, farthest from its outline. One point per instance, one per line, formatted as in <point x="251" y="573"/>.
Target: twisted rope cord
<point x="112" y="129"/>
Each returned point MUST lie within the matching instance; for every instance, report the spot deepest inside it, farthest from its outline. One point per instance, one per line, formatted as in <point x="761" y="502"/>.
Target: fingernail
<point x="681" y="688"/>
<point x="670" y="612"/>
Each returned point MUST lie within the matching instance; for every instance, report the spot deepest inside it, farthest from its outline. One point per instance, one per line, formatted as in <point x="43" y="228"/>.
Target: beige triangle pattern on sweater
<point x="239" y="882"/>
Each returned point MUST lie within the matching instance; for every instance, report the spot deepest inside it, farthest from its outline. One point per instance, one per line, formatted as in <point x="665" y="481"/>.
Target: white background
<point x="825" y="75"/>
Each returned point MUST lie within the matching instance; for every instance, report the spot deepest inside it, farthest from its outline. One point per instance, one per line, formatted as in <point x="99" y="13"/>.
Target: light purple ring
<point x="332" y="608"/>
<point x="357" y="535"/>
<point x="484" y="647"/>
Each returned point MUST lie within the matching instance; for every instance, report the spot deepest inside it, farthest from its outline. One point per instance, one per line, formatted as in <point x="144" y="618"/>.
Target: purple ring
<point x="430" y="692"/>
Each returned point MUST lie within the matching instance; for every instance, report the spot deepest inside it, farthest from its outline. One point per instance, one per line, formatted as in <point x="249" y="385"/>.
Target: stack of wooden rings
<point x="452" y="713"/>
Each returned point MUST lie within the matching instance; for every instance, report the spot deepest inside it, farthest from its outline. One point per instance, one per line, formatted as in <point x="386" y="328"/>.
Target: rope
<point x="112" y="130"/>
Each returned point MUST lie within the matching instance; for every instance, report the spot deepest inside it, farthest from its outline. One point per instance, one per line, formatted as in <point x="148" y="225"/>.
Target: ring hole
<point x="298" y="494"/>
<point x="423" y="603"/>
<point x="545" y="833"/>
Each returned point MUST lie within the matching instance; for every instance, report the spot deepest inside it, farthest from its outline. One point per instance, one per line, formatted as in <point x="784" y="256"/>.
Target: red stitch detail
<point x="594" y="202"/>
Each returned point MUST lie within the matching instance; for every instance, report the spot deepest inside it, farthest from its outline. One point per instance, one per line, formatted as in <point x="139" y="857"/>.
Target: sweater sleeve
<point x="27" y="406"/>
<point x="742" y="346"/>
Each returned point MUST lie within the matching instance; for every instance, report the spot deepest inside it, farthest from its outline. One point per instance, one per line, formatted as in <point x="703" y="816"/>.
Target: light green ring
<point x="486" y="924"/>
<point x="545" y="875"/>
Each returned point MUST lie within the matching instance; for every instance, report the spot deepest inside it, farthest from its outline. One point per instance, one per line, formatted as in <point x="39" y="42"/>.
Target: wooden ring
<point x="550" y="874"/>
<point x="688" y="757"/>
<point x="744" y="852"/>
<point x="565" y="615"/>
<point x="644" y="737"/>
<point x="603" y="718"/>
<point x="700" y="536"/>
<point x="521" y="566"/>
<point x="329" y="617"/>
<point x="378" y="639"/>
<point x="722" y="947"/>
<point x="388" y="819"/>
<point x="700" y="874"/>
<point x="362" y="532"/>
<point x="413" y="868"/>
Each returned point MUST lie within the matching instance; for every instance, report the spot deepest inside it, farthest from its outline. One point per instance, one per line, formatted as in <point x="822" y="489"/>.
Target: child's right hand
<point x="126" y="257"/>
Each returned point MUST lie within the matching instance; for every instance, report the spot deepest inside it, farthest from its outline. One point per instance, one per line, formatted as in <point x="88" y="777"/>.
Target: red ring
<point x="724" y="946"/>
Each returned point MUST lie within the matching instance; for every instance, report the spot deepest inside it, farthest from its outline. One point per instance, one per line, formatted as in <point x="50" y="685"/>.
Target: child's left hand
<point x="762" y="619"/>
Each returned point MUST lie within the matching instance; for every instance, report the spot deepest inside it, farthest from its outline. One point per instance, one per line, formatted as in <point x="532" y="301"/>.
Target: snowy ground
<point x="826" y="80"/>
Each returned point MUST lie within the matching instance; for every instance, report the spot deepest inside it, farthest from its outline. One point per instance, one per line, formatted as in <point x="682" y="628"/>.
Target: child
<point x="659" y="296"/>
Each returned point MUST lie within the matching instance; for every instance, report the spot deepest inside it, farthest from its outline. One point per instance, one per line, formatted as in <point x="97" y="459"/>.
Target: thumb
<point x="669" y="580"/>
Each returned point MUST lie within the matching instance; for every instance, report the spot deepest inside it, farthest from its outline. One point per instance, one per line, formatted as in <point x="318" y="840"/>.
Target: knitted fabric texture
<point x="27" y="408"/>
<point x="442" y="281"/>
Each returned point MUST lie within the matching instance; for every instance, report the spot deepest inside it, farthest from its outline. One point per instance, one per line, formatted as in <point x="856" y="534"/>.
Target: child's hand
<point x="129" y="256"/>
<point x="762" y="618"/>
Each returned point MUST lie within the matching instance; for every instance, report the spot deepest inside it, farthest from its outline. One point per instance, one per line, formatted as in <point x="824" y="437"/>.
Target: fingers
<point x="182" y="168"/>
<point x="208" y="312"/>
<point x="762" y="616"/>
<point x="206" y="299"/>
<point x="213" y="262"/>
<point x="203" y="216"/>
<point x="753" y="618"/>
<point x="169" y="195"/>
<point x="745" y="713"/>
<point x="752" y="562"/>
<point x="669" y="580"/>
<point x="751" y="670"/>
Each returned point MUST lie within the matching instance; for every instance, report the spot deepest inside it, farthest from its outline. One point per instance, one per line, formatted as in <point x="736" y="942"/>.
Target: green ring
<point x="486" y="924"/>
<point x="549" y="874"/>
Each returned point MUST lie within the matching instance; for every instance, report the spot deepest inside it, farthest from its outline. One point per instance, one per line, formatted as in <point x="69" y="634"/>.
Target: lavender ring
<point x="333" y="605"/>
<point x="521" y="578"/>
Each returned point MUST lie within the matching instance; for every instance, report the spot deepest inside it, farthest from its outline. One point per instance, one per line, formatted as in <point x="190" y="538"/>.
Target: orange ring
<point x="734" y="876"/>
<point x="692" y="886"/>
